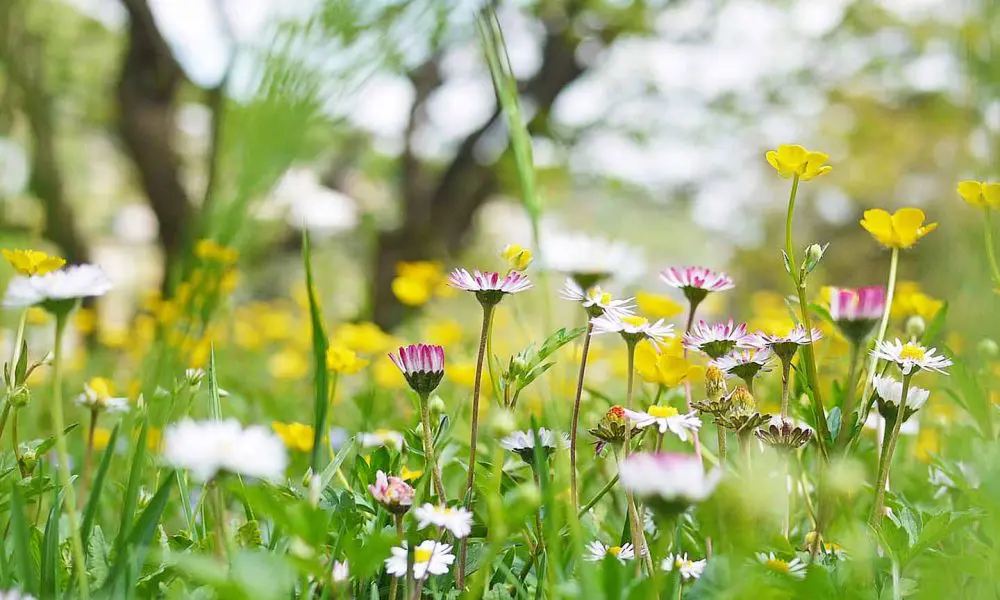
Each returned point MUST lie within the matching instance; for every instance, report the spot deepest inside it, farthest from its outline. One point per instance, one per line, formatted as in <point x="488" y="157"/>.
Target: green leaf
<point x="320" y="343"/>
<point x="50" y="551"/>
<point x="97" y="558"/>
<point x="24" y="565"/>
<point x="338" y="460"/>
<point x="131" y="493"/>
<point x="93" y="501"/>
<point x="21" y="370"/>
<point x="214" y="398"/>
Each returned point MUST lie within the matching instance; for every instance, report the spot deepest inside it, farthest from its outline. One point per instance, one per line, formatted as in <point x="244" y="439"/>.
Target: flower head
<point x="668" y="481"/>
<point x="597" y="551"/>
<point x="890" y="393"/>
<point x="489" y="286"/>
<point x="341" y="571"/>
<point x="595" y="300"/>
<point x="794" y="568"/>
<point x="456" y="520"/>
<point x="55" y="289"/>
<point x="900" y="230"/>
<point x="785" y="346"/>
<point x="392" y="493"/>
<point x="716" y="340"/>
<point x="791" y="159"/>
<point x="381" y="437"/>
<point x="429" y="558"/>
<point x="340" y="359"/>
<point x="590" y="260"/>
<point x="911" y="357"/>
<point x="14" y="594"/>
<point x="980" y="193"/>
<point x="522" y="443"/>
<point x="422" y="365"/>
<point x="297" y="436"/>
<point x="856" y="311"/>
<point x="662" y="368"/>
<point x="32" y="262"/>
<point x="666" y="418"/>
<point x="633" y="328"/>
<point x="784" y="434"/>
<point x="745" y="363"/>
<point x="689" y="569"/>
<point x="613" y="428"/>
<point x="696" y="282"/>
<point x="517" y="256"/>
<point x="208" y="448"/>
<point x="97" y="396"/>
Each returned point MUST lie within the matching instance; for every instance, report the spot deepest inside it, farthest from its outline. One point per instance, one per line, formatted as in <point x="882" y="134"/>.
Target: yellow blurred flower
<point x="37" y="316"/>
<point x="32" y="262"/>
<point x="273" y="322"/>
<point x="288" y="363"/>
<point x="153" y="438"/>
<point x="113" y="337"/>
<point x="980" y="193"/>
<point x="770" y="313"/>
<point x="910" y="301"/>
<point x="297" y="436"/>
<point x="899" y="230"/>
<point x="85" y="320"/>
<point x="464" y="374"/>
<point x="668" y="370"/>
<point x="791" y="159"/>
<point x="928" y="443"/>
<point x="101" y="438"/>
<point x="518" y="257"/>
<point x="407" y="474"/>
<point x="246" y="335"/>
<point x="417" y="281"/>
<point x="344" y="360"/>
<point x="411" y="292"/>
<point x="445" y="332"/>
<point x="212" y="251"/>
<point x="657" y="306"/>
<point x="387" y="375"/>
<point x="364" y="337"/>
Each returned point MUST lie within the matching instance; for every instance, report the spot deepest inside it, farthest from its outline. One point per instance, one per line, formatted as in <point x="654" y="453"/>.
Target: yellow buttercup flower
<point x="296" y="436"/>
<point x="288" y="363"/>
<point x="32" y="262"/>
<point x="411" y="291"/>
<point x="668" y="370"/>
<point x="407" y="474"/>
<point x="791" y="159"/>
<point x="212" y="251"/>
<point x="364" y="337"/>
<point x="910" y="301"/>
<point x="340" y="359"/>
<point x="517" y="256"/>
<point x="444" y="333"/>
<point x="657" y="306"/>
<point x="980" y="193"/>
<point x="899" y="230"/>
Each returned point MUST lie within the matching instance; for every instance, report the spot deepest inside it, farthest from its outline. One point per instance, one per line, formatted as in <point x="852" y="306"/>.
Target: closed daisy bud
<point x="422" y="365"/>
<point x="915" y="327"/>
<point x="715" y="383"/>
<point x="394" y="494"/>
<point x="613" y="428"/>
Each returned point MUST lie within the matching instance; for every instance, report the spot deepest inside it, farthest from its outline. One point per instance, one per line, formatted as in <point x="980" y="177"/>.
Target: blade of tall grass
<point x="24" y="565"/>
<point x="319" y="345"/>
<point x="93" y="502"/>
<point x="214" y="398"/>
<point x="48" y="586"/>
<point x="131" y="492"/>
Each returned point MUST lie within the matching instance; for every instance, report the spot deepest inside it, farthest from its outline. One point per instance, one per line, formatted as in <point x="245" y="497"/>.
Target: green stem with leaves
<point x="885" y="461"/>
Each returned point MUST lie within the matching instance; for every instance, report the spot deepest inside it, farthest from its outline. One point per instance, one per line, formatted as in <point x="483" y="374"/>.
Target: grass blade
<point x="50" y="551"/>
<point x="131" y="492"/>
<point x="214" y="398"/>
<point x="24" y="566"/>
<point x="90" y="512"/>
<point x="319" y="344"/>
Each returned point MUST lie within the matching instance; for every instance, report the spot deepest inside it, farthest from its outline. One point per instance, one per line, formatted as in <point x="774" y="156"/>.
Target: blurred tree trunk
<point x="438" y="215"/>
<point x="147" y="92"/>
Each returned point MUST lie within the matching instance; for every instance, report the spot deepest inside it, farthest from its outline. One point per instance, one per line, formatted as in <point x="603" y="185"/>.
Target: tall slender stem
<point x="890" y="291"/>
<point x="638" y="537"/>
<point x="786" y="368"/>
<point x="15" y="357"/>
<point x="429" y="457"/>
<point x="990" y="251"/>
<point x="574" y="425"/>
<point x="850" y="397"/>
<point x="220" y="519"/>
<point x="789" y="216"/>
<point x="79" y="559"/>
<point x="593" y="501"/>
<point x="687" y="383"/>
<point x="721" y="431"/>
<point x="886" y="460"/>
<point x="394" y="584"/>
<point x="470" y="482"/>
<point x="88" y="454"/>
<point x="14" y="443"/>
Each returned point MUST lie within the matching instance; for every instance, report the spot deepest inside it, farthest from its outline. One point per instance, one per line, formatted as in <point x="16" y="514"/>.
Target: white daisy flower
<point x="590" y="260"/>
<point x="595" y="300"/>
<point x="877" y="422"/>
<point x="890" y="392"/>
<point x="911" y="357"/>
<point x="717" y="340"/>
<point x="489" y="281"/>
<point x="689" y="569"/>
<point x="666" y="418"/>
<point x="207" y="448"/>
<point x="632" y="327"/>
<point x="597" y="551"/>
<point x="672" y="478"/>
<point x="96" y="397"/>
<point x="15" y="595"/>
<point x="70" y="283"/>
<point x="745" y="363"/>
<point x="429" y="558"/>
<point x="696" y="280"/>
<point x="340" y="572"/>
<point x="523" y="442"/>
<point x="381" y="437"/>
<point x="794" y="568"/>
<point x="456" y="520"/>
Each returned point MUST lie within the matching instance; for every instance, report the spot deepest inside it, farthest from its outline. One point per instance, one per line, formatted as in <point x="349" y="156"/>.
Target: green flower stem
<point x="88" y="454"/>
<point x="807" y="351"/>
<point x="16" y="355"/>
<point x="79" y="559"/>
<point x="786" y="369"/>
<point x="221" y="545"/>
<point x="721" y="431"/>
<point x="394" y="584"/>
<point x="990" y="252"/>
<point x="597" y="497"/>
<point x="428" y="438"/>
<point x="14" y="443"/>
<point x="470" y="482"/>
<point x="574" y="424"/>
<point x="884" y="323"/>
<point x="638" y="537"/>
<point x="885" y="461"/>
<point x="850" y="397"/>
<point x="687" y="383"/>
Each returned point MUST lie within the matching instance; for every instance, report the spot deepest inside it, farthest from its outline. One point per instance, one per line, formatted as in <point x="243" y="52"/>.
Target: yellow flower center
<point x="421" y="555"/>
<point x="662" y="412"/>
<point x="776" y="564"/>
<point x="912" y="352"/>
<point x="614" y="550"/>
<point x="634" y="320"/>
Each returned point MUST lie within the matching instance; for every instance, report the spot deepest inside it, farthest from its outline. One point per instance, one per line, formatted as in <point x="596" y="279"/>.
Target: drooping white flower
<point x="521" y="441"/>
<point x="429" y="558"/>
<point x="794" y="568"/>
<point x="673" y="478"/>
<point x="69" y="283"/>
<point x="689" y="569"/>
<point x="456" y="520"/>
<point x="421" y="364"/>
<point x="208" y="448"/>
<point x="597" y="550"/>
<point x="717" y="340"/>
<point x="891" y="391"/>
<point x="910" y="356"/>
<point x="595" y="300"/>
<point x="745" y="363"/>
<point x="666" y="418"/>
<point x="340" y="572"/>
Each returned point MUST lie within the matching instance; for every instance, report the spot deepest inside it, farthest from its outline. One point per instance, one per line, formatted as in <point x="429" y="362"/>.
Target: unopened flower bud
<point x="814" y="253"/>
<point x="315" y="489"/>
<point x="436" y="405"/>
<point x="915" y="327"/>
<point x="742" y="401"/>
<point x="518" y="257"/>
<point x="20" y="396"/>
<point x="28" y="460"/>
<point x="988" y="348"/>
<point x="715" y="383"/>
<point x="502" y="423"/>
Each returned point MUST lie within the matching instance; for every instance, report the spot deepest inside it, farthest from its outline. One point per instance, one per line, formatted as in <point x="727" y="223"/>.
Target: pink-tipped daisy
<point x="422" y="365"/>
<point x="856" y="311"/>
<point x="745" y="363"/>
<point x="595" y="300"/>
<point x="489" y="286"/>
<point x="633" y="328"/>
<point x="785" y="346"/>
<point x="696" y="282"/>
<point x="717" y="340"/>
<point x="910" y="357"/>
<point x="667" y="480"/>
